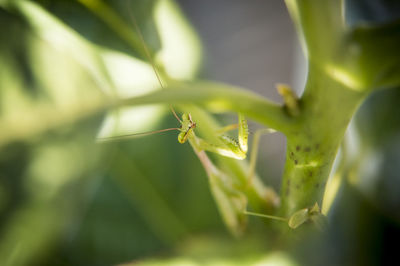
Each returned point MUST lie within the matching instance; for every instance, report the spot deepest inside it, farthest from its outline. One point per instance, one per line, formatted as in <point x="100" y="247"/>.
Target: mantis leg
<point x="228" y="146"/>
<point x="254" y="152"/>
<point x="227" y="128"/>
<point x="243" y="131"/>
<point x="243" y="134"/>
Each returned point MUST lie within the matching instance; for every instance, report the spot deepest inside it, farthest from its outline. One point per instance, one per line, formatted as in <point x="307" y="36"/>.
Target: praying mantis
<point x="226" y="146"/>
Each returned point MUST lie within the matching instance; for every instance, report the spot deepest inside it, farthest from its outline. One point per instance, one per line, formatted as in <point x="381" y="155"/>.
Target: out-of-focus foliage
<point x="47" y="149"/>
<point x="371" y="11"/>
<point x="65" y="199"/>
<point x="216" y="251"/>
<point x="376" y="165"/>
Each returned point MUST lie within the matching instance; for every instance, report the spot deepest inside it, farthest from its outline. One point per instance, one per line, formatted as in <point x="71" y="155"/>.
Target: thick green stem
<point x="219" y="97"/>
<point x="320" y="25"/>
<point x="326" y="110"/>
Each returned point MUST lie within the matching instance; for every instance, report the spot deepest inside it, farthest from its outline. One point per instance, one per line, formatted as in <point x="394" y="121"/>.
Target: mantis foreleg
<point x="228" y="146"/>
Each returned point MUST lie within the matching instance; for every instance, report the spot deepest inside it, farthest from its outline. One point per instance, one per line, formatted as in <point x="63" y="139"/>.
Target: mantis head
<point x="187" y="126"/>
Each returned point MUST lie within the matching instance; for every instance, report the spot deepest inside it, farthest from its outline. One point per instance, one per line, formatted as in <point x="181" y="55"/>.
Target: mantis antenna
<point x="130" y="136"/>
<point x="150" y="58"/>
<point x="267" y="216"/>
<point x="148" y="55"/>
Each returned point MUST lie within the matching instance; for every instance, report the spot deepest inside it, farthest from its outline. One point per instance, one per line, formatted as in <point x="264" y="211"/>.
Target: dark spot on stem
<point x="287" y="192"/>
<point x="291" y="154"/>
<point x="317" y="146"/>
<point x="317" y="185"/>
<point x="295" y="161"/>
<point x="297" y="148"/>
<point x="310" y="174"/>
<point x="307" y="149"/>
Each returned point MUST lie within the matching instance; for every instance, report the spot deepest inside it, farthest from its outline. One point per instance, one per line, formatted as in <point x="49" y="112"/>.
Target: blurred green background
<point x="67" y="200"/>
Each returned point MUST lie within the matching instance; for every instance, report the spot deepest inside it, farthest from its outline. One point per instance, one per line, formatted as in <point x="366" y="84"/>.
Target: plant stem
<point x="327" y="108"/>
<point x="320" y="25"/>
<point x="219" y="97"/>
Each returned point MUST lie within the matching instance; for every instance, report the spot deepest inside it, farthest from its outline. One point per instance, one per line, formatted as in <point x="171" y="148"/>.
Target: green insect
<point x="229" y="146"/>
